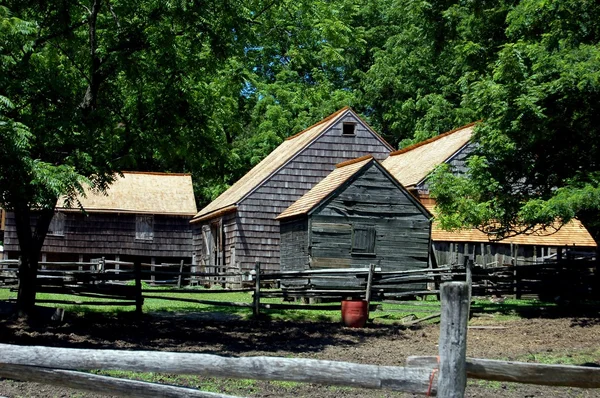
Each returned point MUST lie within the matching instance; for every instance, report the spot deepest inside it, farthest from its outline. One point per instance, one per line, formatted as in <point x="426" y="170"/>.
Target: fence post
<point x="453" y="340"/>
<point x="256" y="307"/>
<point x="139" y="298"/>
<point x="469" y="276"/>
<point x="180" y="272"/>
<point x="369" y="283"/>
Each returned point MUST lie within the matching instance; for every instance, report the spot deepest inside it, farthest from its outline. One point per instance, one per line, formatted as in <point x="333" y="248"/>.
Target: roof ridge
<point x="322" y="121"/>
<point x="353" y="161"/>
<point x="159" y="173"/>
<point x="432" y="139"/>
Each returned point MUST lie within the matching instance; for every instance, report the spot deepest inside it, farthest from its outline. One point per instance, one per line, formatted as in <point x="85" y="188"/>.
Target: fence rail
<point x="420" y="376"/>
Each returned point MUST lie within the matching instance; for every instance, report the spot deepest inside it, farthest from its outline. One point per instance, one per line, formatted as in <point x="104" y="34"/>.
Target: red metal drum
<point x="355" y="313"/>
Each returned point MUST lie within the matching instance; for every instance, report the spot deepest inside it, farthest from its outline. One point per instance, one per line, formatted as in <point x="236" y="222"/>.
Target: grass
<point x="388" y="313"/>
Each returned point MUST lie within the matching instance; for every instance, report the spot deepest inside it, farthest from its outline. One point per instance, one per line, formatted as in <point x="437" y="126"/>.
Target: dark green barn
<point x="358" y="215"/>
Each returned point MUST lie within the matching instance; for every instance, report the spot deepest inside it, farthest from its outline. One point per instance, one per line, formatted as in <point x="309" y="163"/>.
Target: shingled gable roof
<point x="280" y="156"/>
<point x="327" y="187"/>
<point x="143" y="193"/>
<point x="571" y="234"/>
<point x="412" y="164"/>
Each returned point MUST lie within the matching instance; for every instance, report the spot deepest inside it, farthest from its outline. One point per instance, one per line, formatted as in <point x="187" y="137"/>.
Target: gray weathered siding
<point x="111" y="233"/>
<point x="402" y="230"/>
<point x="258" y="231"/>
<point x="294" y="245"/>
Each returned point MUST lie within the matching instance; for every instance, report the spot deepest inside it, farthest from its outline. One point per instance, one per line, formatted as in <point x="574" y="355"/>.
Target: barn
<point x="143" y="216"/>
<point x="413" y="165"/>
<point x="358" y="215"/>
<point x="239" y="227"/>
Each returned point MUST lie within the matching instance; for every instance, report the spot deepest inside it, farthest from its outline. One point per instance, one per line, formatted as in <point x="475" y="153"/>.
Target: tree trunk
<point x="30" y="243"/>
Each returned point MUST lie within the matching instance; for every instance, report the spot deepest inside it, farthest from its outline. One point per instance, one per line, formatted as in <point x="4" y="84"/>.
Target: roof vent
<point x="348" y="128"/>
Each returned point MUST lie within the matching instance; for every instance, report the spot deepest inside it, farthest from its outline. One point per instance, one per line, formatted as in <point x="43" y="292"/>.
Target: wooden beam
<point x="411" y="380"/>
<point x="95" y="383"/>
<point x="522" y="372"/>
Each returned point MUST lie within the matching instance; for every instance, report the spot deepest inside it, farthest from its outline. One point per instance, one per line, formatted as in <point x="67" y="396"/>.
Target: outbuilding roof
<point x="280" y="156"/>
<point x="327" y="186"/>
<point x="412" y="164"/>
<point x="572" y="233"/>
<point x="144" y="192"/>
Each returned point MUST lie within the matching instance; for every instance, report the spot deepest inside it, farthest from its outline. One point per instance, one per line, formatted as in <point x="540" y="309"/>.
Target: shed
<point x="239" y="227"/>
<point x="143" y="216"/>
<point x="358" y="215"/>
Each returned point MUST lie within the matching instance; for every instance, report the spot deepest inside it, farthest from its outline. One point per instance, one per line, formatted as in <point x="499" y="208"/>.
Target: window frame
<point x="370" y="238"/>
<point x="58" y="220"/>
<point x="141" y="219"/>
<point x="353" y="124"/>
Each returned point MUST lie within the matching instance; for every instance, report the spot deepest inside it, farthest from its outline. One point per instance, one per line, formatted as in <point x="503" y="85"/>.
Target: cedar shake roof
<point x="325" y="187"/>
<point x="571" y="234"/>
<point x="412" y="164"/>
<point x="285" y="152"/>
<point x="147" y="193"/>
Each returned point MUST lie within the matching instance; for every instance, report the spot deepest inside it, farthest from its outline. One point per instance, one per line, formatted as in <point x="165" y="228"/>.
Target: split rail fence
<point x="445" y="375"/>
<point x="117" y="283"/>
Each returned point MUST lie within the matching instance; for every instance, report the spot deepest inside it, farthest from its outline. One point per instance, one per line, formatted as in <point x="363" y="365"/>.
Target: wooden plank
<point x="411" y="380"/>
<point x="452" y="381"/>
<point x="522" y="372"/>
<point x="256" y="297"/>
<point x="95" y="383"/>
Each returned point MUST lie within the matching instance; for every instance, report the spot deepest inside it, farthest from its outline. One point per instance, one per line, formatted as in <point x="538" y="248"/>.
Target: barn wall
<point x="402" y="230"/>
<point x="258" y="231"/>
<point x="113" y="234"/>
<point x="294" y="245"/>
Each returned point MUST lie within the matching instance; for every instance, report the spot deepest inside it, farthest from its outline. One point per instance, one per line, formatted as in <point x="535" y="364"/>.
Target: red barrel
<point x="355" y="313"/>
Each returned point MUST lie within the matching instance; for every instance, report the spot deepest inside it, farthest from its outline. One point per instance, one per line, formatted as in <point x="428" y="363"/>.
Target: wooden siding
<point x="258" y="232"/>
<point x="402" y="230"/>
<point x="109" y="233"/>
<point x="294" y="245"/>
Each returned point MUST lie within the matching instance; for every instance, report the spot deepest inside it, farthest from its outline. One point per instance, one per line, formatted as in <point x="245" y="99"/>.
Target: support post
<point x="369" y="283"/>
<point x="139" y="298"/>
<point x="452" y="381"/>
<point x="469" y="276"/>
<point x="152" y="270"/>
<point x="256" y="307"/>
<point x="180" y="272"/>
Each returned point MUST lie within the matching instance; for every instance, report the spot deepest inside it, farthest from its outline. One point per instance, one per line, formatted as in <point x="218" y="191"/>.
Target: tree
<point x="537" y="161"/>
<point x="92" y="88"/>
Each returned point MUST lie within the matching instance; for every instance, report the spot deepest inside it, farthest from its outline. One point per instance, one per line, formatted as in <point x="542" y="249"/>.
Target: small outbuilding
<point x="358" y="215"/>
<point x="142" y="216"/>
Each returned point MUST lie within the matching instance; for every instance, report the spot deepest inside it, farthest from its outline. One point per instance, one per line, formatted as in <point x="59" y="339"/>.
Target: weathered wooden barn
<point x="239" y="227"/>
<point x="358" y="215"/>
<point x="413" y="165"/>
<point x="142" y="216"/>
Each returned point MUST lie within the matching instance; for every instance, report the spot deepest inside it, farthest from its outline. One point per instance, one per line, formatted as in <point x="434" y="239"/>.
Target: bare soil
<point x="522" y="339"/>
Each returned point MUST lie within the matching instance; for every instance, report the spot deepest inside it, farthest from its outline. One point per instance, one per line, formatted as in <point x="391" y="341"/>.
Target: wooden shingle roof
<point x="412" y="164"/>
<point x="280" y="156"/>
<point x="325" y="187"/>
<point x="571" y="234"/>
<point x="143" y="192"/>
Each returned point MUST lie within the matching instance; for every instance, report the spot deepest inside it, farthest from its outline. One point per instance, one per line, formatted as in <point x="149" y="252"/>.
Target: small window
<point x="144" y="227"/>
<point x="57" y="225"/>
<point x="348" y="128"/>
<point x="363" y="240"/>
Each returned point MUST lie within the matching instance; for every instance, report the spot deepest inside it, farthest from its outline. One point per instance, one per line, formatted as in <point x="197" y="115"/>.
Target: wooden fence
<point x="444" y="375"/>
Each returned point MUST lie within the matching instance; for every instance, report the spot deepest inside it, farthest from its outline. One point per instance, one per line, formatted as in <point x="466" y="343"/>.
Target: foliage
<point x="537" y="160"/>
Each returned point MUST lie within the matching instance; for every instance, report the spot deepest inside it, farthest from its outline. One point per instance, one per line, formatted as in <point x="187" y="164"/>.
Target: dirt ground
<point x="522" y="339"/>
